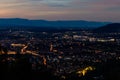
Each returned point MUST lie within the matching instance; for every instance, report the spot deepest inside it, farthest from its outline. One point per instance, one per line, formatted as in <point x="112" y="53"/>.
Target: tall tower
<point x="51" y="47"/>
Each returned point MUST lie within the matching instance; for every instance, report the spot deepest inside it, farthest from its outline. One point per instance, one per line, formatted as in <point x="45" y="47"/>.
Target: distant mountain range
<point x="110" y="28"/>
<point x="18" y="22"/>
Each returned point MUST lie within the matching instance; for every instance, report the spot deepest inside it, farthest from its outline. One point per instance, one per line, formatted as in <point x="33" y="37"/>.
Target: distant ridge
<point x="18" y="22"/>
<point x="110" y="28"/>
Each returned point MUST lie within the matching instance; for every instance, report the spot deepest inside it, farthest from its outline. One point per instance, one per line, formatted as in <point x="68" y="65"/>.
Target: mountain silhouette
<point x="18" y="22"/>
<point x="110" y="28"/>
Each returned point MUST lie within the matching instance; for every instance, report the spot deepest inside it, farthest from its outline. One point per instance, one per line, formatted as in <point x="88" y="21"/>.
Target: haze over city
<point x="92" y="10"/>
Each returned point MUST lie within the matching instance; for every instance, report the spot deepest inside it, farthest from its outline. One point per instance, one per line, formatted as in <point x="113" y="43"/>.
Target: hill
<point x="18" y="22"/>
<point x="110" y="28"/>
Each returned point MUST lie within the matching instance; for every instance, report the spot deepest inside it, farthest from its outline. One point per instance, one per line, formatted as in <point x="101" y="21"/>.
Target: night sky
<point x="92" y="10"/>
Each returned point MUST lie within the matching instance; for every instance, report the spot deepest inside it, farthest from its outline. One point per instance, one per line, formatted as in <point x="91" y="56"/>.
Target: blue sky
<point x="92" y="10"/>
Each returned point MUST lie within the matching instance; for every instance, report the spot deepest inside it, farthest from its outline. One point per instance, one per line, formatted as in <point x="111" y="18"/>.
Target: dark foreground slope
<point x="21" y="70"/>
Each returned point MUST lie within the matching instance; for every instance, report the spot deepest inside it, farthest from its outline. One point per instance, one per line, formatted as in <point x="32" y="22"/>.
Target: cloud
<point x="56" y="3"/>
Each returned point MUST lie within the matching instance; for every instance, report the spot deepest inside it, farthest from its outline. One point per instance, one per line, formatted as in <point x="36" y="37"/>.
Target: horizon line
<point x="59" y="20"/>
